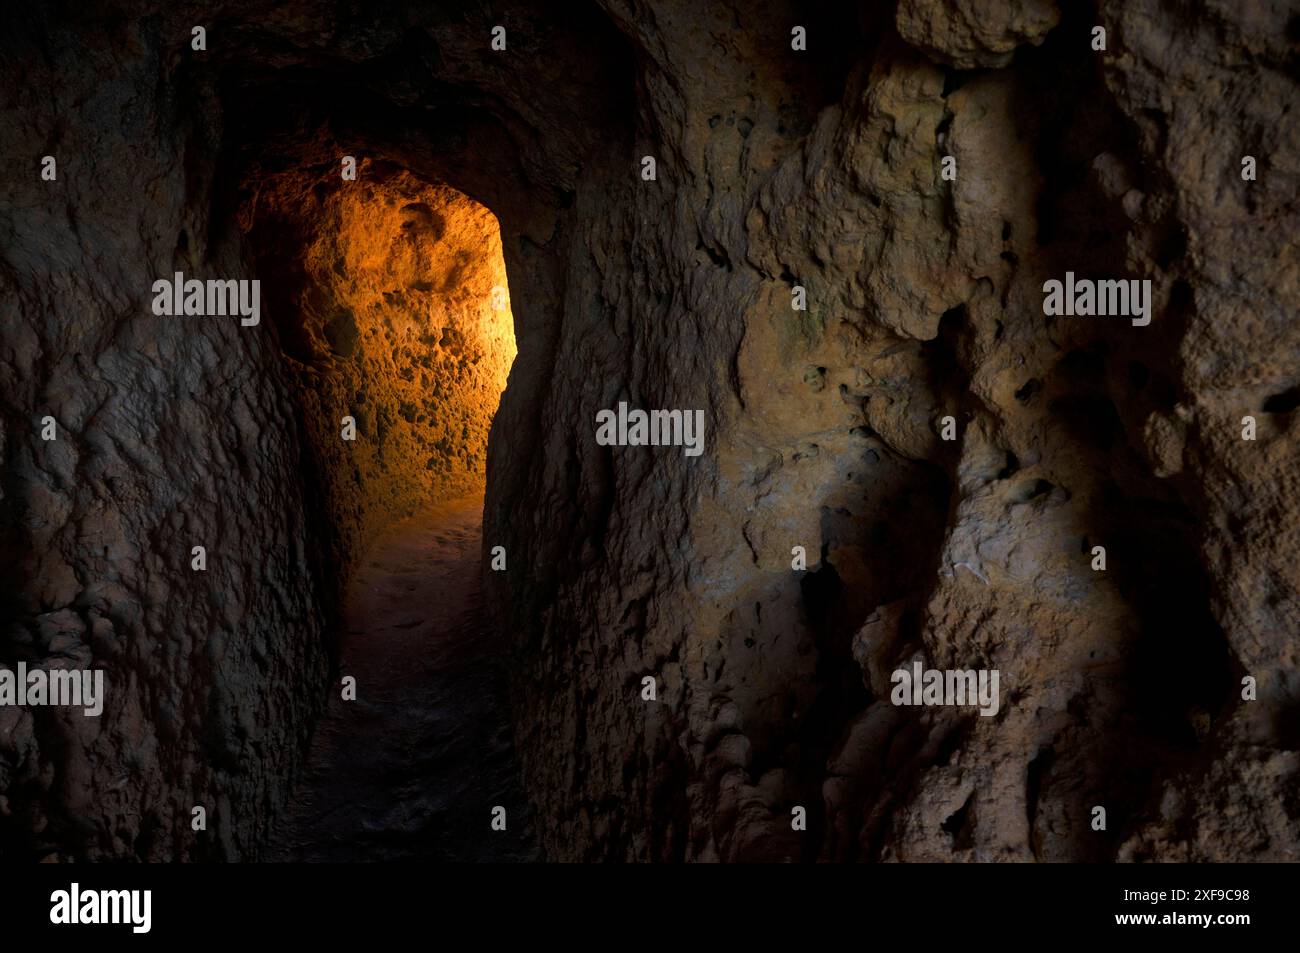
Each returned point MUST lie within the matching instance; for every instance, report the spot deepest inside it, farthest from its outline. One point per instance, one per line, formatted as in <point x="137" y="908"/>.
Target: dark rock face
<point x="819" y="169"/>
<point x="171" y="434"/>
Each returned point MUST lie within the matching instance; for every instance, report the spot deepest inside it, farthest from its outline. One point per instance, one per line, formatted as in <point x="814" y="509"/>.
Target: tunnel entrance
<point x="389" y="300"/>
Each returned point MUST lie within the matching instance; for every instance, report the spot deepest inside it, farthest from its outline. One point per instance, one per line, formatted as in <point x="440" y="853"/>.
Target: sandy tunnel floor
<point x="413" y="767"/>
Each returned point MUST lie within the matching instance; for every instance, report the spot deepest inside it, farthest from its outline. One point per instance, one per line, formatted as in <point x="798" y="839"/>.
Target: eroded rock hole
<point x="1284" y="402"/>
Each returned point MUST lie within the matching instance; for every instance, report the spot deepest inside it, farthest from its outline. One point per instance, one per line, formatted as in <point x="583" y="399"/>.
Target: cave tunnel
<point x="391" y="307"/>
<point x="366" y="579"/>
<point x="348" y="691"/>
<point x="388" y="300"/>
<point x="392" y="311"/>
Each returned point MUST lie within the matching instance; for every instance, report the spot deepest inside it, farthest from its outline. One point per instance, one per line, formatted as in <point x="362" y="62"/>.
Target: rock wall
<point x="171" y="433"/>
<point x="1121" y="689"/>
<point x="776" y="169"/>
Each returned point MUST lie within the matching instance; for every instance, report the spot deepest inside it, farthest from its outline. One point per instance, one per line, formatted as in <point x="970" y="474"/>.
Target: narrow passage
<point x="412" y="768"/>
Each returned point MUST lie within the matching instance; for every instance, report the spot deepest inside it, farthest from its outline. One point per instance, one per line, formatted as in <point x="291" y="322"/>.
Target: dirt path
<point x="412" y="768"/>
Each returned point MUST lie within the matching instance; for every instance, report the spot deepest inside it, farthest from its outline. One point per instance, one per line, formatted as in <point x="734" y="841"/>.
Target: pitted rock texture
<point x="974" y="33"/>
<point x="775" y="169"/>
<point x="392" y="308"/>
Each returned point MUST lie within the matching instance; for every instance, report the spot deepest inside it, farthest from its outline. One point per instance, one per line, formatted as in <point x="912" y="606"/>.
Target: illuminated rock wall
<point x="391" y="300"/>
